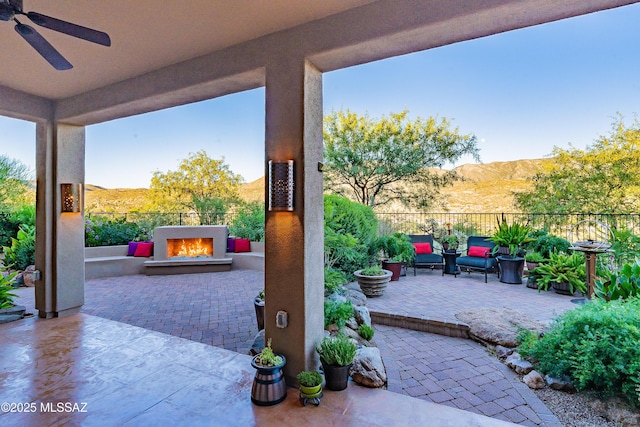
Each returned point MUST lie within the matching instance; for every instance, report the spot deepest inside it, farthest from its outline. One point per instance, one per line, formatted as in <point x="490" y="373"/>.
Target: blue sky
<point x="521" y="93"/>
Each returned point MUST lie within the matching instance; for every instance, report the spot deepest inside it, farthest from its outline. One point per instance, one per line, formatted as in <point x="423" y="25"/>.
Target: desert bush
<point x="366" y="332"/>
<point x="337" y="312"/>
<point x="249" y="223"/>
<point x="333" y="280"/>
<point x="113" y="232"/>
<point x="596" y="346"/>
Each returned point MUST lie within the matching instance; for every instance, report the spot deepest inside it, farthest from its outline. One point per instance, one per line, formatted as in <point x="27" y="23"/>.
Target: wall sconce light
<point x="71" y="197"/>
<point x="281" y="186"/>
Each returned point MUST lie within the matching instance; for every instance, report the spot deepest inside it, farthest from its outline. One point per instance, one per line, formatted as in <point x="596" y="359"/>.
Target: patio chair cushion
<point x="144" y="249"/>
<point x="231" y="244"/>
<point x="243" y="245"/>
<point x="479" y="262"/>
<point x="423" y="248"/>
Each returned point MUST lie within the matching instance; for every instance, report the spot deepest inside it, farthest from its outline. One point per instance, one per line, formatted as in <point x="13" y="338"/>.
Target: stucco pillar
<point x="59" y="236"/>
<point x="294" y="241"/>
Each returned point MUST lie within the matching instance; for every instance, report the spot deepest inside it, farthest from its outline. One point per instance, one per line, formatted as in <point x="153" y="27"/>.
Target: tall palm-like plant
<point x="512" y="236"/>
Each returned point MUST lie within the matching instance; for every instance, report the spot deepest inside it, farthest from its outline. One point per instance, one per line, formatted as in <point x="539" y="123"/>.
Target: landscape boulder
<point x="368" y="369"/>
<point x="498" y="325"/>
<point x="534" y="380"/>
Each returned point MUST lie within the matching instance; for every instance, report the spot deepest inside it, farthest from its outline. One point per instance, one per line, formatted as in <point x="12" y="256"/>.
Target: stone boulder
<point x="534" y="380"/>
<point x="558" y="384"/>
<point x="368" y="369"/>
<point x="362" y="315"/>
<point x="27" y="276"/>
<point x="498" y="326"/>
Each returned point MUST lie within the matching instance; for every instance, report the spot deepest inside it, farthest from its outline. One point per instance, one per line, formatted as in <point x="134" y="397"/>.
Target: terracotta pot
<point x="395" y="268"/>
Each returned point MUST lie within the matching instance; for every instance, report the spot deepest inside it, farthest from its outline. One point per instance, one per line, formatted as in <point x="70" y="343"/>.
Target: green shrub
<point x="349" y="231"/>
<point x="626" y="246"/>
<point x="249" y="223"/>
<point x="22" y="251"/>
<point x="534" y="257"/>
<point x="6" y="286"/>
<point x="337" y="351"/>
<point x="337" y="312"/>
<point x="562" y="268"/>
<point x="547" y="244"/>
<point x="596" y="346"/>
<point x="8" y="228"/>
<point x="621" y="284"/>
<point x="366" y="332"/>
<point x="374" y="270"/>
<point x="333" y="280"/>
<point x="395" y="247"/>
<point x="113" y="232"/>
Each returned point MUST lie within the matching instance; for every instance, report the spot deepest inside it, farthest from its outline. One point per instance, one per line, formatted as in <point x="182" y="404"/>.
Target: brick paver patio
<point x="217" y="309"/>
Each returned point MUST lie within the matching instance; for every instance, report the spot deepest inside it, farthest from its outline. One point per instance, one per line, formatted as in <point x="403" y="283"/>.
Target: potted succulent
<point x="336" y="355"/>
<point x="509" y="240"/>
<point x="258" y="305"/>
<point x="566" y="273"/>
<point x="310" y="385"/>
<point x="373" y="280"/>
<point x="268" y="387"/>
<point x="397" y="251"/>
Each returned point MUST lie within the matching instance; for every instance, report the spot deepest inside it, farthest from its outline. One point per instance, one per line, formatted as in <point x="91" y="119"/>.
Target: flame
<point x="190" y="247"/>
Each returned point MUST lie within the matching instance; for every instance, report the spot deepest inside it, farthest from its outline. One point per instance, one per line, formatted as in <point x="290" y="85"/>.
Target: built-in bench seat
<point x="111" y="261"/>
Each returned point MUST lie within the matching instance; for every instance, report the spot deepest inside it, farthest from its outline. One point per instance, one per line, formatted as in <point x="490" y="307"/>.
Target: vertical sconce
<point x="71" y="197"/>
<point x="281" y="186"/>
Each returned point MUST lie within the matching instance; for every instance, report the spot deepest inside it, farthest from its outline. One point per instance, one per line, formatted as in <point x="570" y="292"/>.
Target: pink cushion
<point x="144" y="249"/>
<point x="423" y="248"/>
<point x="243" y="245"/>
<point x="132" y="248"/>
<point x="480" y="251"/>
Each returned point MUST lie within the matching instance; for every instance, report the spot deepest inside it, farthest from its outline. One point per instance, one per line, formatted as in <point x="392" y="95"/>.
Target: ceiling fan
<point x="9" y="9"/>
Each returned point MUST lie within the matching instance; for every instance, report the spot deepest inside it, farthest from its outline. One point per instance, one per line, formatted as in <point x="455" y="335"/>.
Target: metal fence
<point x="485" y="224"/>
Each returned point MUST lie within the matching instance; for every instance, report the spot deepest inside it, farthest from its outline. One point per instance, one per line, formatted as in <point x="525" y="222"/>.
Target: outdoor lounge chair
<point x="423" y="258"/>
<point x="479" y="256"/>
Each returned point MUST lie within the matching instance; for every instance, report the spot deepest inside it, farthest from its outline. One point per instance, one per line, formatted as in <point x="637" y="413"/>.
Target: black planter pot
<point x="511" y="269"/>
<point x="337" y="377"/>
<point x="258" y="304"/>
<point x="562" y="288"/>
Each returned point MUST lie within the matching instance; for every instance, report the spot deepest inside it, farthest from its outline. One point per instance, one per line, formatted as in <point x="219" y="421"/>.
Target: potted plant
<point x="268" y="387"/>
<point x="509" y="240"/>
<point x="397" y="251"/>
<point x="310" y="385"/>
<point x="336" y="355"/>
<point x="258" y="305"/>
<point x="373" y="280"/>
<point x="450" y="242"/>
<point x="566" y="273"/>
<point x="533" y="261"/>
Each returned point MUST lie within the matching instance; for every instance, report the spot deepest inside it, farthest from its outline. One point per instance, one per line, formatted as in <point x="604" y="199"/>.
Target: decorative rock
<point x="352" y="323"/>
<point x="534" y="380"/>
<point x="558" y="384"/>
<point x="503" y="352"/>
<point x="336" y="297"/>
<point x="498" y="325"/>
<point x="362" y="315"/>
<point x="368" y="369"/>
<point x="356" y="297"/>
<point x="258" y="344"/>
<point x="27" y="276"/>
<point x="10" y="314"/>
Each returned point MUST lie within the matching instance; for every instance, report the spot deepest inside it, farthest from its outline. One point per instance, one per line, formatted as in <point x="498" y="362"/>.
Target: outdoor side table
<point x="450" y="266"/>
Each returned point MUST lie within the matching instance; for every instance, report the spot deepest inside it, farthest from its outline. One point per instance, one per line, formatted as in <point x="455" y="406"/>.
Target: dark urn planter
<point x="394" y="267"/>
<point x="268" y="386"/>
<point x="562" y="288"/>
<point x="337" y="377"/>
<point x="258" y="304"/>
<point x="511" y="269"/>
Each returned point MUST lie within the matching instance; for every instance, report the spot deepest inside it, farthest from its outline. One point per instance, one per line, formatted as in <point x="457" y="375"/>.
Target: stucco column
<point x="294" y="241"/>
<point x="59" y="236"/>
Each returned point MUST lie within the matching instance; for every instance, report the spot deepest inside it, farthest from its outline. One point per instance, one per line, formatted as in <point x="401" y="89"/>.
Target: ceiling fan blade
<point x="74" y="30"/>
<point x="43" y="47"/>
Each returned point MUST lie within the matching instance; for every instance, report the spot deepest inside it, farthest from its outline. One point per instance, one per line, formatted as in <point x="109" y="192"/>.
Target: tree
<point x="604" y="178"/>
<point x="14" y="183"/>
<point x="374" y="162"/>
<point x="200" y="184"/>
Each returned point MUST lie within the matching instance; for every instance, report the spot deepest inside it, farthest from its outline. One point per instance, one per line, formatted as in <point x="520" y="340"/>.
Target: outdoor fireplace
<point x="189" y="249"/>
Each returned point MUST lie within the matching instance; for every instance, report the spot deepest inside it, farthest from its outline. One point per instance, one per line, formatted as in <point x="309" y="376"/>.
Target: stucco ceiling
<point x="145" y="34"/>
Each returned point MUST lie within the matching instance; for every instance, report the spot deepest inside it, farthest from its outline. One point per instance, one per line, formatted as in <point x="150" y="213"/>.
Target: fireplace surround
<point x="189" y="249"/>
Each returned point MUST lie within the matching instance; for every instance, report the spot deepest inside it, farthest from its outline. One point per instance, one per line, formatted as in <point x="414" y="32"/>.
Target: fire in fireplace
<point x="200" y="247"/>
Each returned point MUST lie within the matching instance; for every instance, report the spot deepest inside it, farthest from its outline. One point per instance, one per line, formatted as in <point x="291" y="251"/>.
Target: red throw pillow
<point x="423" y="248"/>
<point x="144" y="249"/>
<point x="243" y="245"/>
<point x="481" y="251"/>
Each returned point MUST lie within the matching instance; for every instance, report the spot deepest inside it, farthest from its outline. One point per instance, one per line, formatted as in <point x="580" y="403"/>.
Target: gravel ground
<point x="583" y="410"/>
